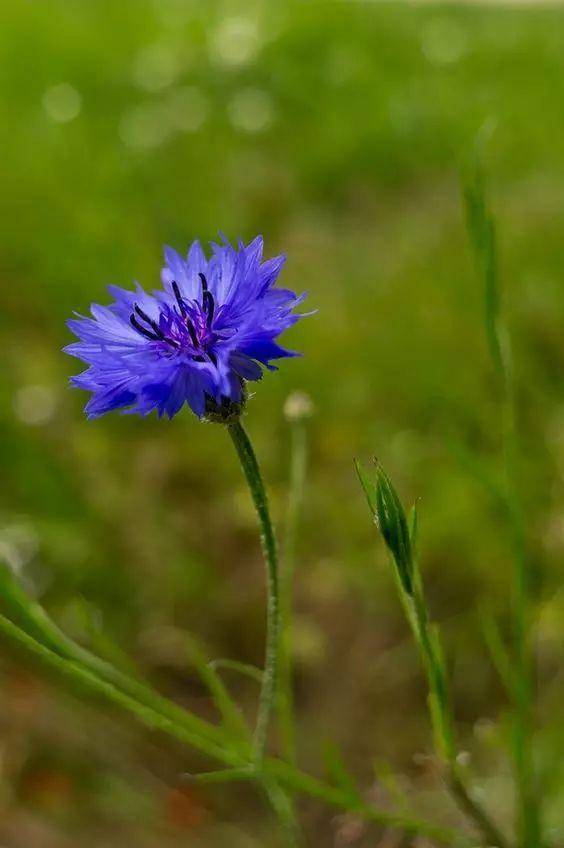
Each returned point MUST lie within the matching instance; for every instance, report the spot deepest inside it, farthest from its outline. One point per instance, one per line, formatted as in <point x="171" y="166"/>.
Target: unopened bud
<point x="389" y="515"/>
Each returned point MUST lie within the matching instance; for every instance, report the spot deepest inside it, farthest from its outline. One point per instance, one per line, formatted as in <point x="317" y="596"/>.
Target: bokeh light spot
<point x="235" y="41"/>
<point x="62" y="103"/>
<point x="251" y="110"/>
<point x="34" y="405"/>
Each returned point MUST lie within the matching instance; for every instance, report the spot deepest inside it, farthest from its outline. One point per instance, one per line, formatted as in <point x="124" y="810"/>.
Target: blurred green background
<point x="337" y="130"/>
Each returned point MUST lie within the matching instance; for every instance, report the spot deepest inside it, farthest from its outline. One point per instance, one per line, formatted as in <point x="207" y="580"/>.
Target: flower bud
<point x="391" y="520"/>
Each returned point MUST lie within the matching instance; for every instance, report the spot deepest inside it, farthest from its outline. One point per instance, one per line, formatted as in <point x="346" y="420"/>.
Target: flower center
<point x="189" y="329"/>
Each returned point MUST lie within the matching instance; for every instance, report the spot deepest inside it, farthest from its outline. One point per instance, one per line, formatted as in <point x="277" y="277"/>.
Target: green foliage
<point x="482" y="235"/>
<point x="392" y="523"/>
<point x="353" y="174"/>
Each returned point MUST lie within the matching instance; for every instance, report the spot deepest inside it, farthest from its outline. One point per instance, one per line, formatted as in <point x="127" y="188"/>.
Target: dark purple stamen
<point x="178" y="297"/>
<point x="208" y="301"/>
<point x="153" y="324"/>
<point x="209" y="305"/>
<point x="192" y="332"/>
<point x="143" y="330"/>
<point x="157" y="335"/>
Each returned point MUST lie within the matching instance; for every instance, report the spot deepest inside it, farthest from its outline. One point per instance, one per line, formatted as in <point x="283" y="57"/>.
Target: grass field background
<point x="338" y="131"/>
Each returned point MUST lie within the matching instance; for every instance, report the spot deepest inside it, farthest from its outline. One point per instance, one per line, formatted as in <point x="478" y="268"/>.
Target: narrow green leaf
<point x="368" y="486"/>
<point x="226" y="706"/>
<point x="34" y="621"/>
<point x="389" y="780"/>
<point x="337" y="770"/>
<point x="102" y="644"/>
<point x="414" y="529"/>
<point x="250" y="671"/>
<point x="85" y="682"/>
<point x="232" y="775"/>
<point x="281" y="803"/>
<point x="497" y="649"/>
<point x="482" y="236"/>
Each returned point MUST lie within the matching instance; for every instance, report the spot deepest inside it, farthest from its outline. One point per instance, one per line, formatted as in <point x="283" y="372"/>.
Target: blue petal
<point x="265" y="349"/>
<point x="245" y="367"/>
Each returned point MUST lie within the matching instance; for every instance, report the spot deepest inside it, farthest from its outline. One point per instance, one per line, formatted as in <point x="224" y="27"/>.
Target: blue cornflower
<point x="212" y="327"/>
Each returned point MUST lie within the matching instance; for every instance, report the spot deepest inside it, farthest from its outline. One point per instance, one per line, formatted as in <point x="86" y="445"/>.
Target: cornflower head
<point x="211" y="328"/>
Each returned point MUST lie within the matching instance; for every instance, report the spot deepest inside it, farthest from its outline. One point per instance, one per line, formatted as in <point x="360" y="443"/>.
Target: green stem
<point x="528" y="824"/>
<point x="482" y="230"/>
<point x="157" y="717"/>
<point x="443" y="721"/>
<point x="35" y="621"/>
<point x="252" y="473"/>
<point x="473" y="810"/>
<point x="285" y="677"/>
<point x="306" y="784"/>
<point x="484" y="240"/>
<point x="157" y="712"/>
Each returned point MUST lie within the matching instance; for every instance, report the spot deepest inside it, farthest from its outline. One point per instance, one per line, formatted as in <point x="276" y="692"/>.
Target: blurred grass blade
<point x="101" y="643"/>
<point x="414" y="530"/>
<point x="482" y="235"/>
<point x="84" y="681"/>
<point x="246" y="669"/>
<point x="389" y="780"/>
<point x="368" y="486"/>
<point x="220" y="776"/>
<point x="226" y="706"/>
<point x="337" y="771"/>
<point x="33" y="619"/>
<point x="283" y="808"/>
<point x="496" y="647"/>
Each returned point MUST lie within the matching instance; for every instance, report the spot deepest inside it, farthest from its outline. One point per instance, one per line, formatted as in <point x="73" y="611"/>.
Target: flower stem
<point x="252" y="473"/>
<point x="442" y="718"/>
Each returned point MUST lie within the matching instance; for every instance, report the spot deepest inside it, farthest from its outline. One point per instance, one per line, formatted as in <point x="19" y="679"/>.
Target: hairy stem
<point x="253" y="476"/>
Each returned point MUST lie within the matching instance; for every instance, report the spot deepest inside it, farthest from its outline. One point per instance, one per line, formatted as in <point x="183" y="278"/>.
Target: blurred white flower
<point x="62" y="103"/>
<point x="298" y="406"/>
<point x="463" y="758"/>
<point x="34" y="405"/>
<point x="251" y="110"/>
